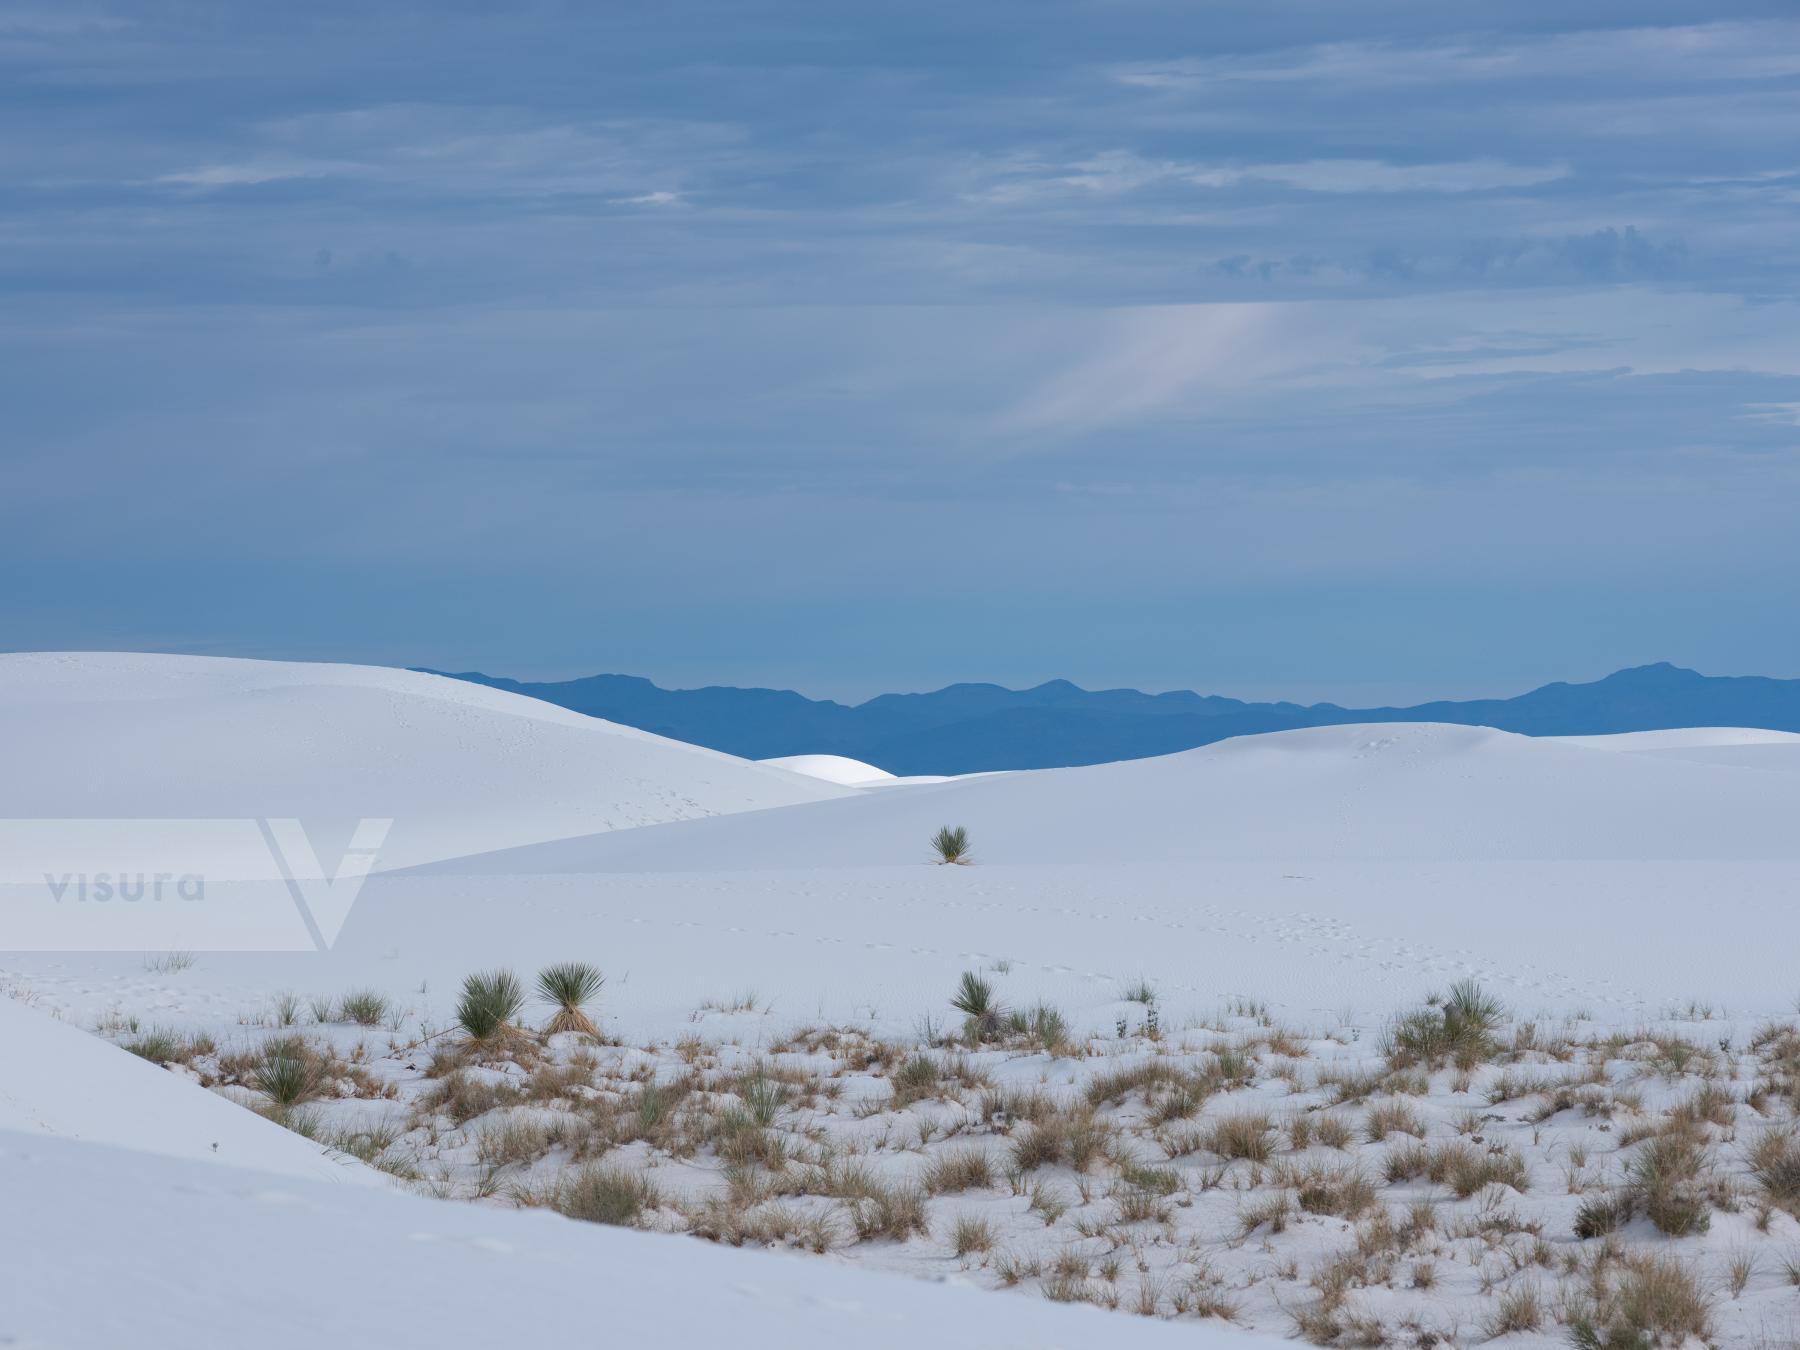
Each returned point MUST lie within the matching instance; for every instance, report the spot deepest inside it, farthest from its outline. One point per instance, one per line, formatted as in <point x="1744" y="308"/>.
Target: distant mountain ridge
<point x="968" y="728"/>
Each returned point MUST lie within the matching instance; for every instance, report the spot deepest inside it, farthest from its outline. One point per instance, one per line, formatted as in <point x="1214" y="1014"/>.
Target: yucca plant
<point x="951" y="844"/>
<point x="570" y="985"/>
<point x="1471" y="1017"/>
<point x="975" y="1000"/>
<point x="489" y="1003"/>
<point x="1462" y="1029"/>
<point x="287" y="1074"/>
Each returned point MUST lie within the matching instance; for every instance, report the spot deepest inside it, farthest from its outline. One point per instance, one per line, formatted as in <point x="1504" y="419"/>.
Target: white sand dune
<point x="832" y="768"/>
<point x="58" y="1080"/>
<point x="459" y="768"/>
<point x="1324" y="870"/>
<point x="1413" y="792"/>
<point x="195" y="1254"/>
<point x="1738" y="747"/>
<point x="1683" y="738"/>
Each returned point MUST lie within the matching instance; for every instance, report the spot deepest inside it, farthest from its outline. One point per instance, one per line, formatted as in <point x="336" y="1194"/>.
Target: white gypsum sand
<point x="1284" y="897"/>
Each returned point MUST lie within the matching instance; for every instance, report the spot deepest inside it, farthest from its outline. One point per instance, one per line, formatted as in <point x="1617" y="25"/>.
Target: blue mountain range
<point x="966" y="728"/>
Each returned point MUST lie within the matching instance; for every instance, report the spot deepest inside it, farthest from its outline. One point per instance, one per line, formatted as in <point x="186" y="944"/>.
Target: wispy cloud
<point x="1122" y="171"/>
<point x="1682" y="53"/>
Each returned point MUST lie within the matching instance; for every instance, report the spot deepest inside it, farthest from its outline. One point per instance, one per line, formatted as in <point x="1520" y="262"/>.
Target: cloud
<point x="469" y="149"/>
<point x="252" y="173"/>
<point x="1685" y="54"/>
<point x="1116" y="172"/>
<point x="1147" y="362"/>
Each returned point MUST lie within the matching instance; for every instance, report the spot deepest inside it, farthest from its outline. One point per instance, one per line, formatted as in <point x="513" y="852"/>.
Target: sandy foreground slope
<point x="195" y="1255"/>
<point x="61" y="1081"/>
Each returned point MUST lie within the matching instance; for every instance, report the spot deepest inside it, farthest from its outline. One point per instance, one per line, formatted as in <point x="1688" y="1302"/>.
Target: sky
<point x="1280" y="349"/>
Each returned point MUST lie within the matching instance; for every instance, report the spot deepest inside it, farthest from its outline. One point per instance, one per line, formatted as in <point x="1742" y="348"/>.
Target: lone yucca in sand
<point x="570" y="985"/>
<point x="951" y="844"/>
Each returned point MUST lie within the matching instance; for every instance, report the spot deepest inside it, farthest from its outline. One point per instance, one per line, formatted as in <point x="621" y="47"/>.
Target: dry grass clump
<point x="1007" y="1106"/>
<point x="1332" y="1131"/>
<point x="1667" y="1179"/>
<point x="160" y="1045"/>
<point x="1710" y="1105"/>
<point x="364" y="1007"/>
<point x="558" y="1082"/>
<point x="606" y="1193"/>
<point x="895" y="1212"/>
<point x="1042" y="1026"/>
<point x="1394" y="1117"/>
<point x="1461" y="1029"/>
<point x="1350" y="1085"/>
<point x="913" y="1081"/>
<point x="763" y="1093"/>
<point x="1458" y="1165"/>
<point x="463" y="1095"/>
<point x="1076" y="1137"/>
<point x="1602" y="1214"/>
<point x="971" y="1234"/>
<point x="742" y="1143"/>
<point x="1775" y="1164"/>
<point x="1777" y="1045"/>
<point x="1249" y="1135"/>
<point x="1138" y="989"/>
<point x="1116" y="1085"/>
<point x="957" y="1170"/>
<point x="1520" y="1309"/>
<point x="1468" y="1171"/>
<point x="1134" y="1204"/>
<point x="1655" y="1299"/>
<point x="763" y="1223"/>
<point x="378" y="1146"/>
<point x="654" y="1115"/>
<point x="520" y="1138"/>
<point x="1345" y="1191"/>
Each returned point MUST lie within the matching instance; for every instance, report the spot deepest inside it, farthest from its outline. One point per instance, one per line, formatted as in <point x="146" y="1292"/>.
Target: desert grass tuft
<point x="1249" y="1135"/>
<point x="606" y="1193"/>
<point x="1775" y="1164"/>
<point x="965" y="1169"/>
<point x="1656" y="1300"/>
<point x="365" y="1007"/>
<point x="971" y="1234"/>
<point x="1520" y="1309"/>
<point x="1392" y="1117"/>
